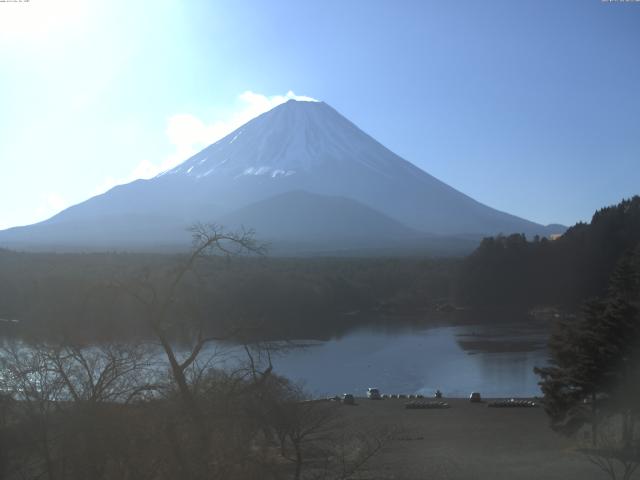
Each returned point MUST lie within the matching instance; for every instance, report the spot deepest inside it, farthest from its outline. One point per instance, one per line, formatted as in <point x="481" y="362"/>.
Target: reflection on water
<point x="420" y="361"/>
<point x="496" y="360"/>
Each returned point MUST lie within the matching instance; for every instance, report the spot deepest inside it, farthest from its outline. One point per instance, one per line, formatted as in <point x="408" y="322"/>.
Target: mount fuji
<point x="302" y="175"/>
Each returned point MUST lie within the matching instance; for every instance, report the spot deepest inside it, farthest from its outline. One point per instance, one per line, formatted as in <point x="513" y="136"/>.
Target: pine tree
<point x="595" y="360"/>
<point x="574" y="383"/>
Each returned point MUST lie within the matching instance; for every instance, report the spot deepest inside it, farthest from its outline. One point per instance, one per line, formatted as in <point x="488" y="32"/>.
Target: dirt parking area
<point x="467" y="441"/>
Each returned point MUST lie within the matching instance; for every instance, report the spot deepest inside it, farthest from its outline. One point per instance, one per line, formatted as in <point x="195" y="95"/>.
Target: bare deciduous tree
<point x="612" y="452"/>
<point x="163" y="300"/>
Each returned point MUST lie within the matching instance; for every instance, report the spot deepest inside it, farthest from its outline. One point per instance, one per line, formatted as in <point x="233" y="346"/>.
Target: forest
<point x="514" y="271"/>
<point x="84" y="296"/>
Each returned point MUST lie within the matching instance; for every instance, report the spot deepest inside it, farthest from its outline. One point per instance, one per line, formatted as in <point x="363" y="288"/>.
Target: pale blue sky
<point x="531" y="107"/>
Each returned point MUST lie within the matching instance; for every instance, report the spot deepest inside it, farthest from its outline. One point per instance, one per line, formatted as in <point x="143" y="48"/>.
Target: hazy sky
<point x="532" y="107"/>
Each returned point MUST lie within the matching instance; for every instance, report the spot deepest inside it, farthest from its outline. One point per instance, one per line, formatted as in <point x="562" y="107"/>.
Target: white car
<point x="373" y="394"/>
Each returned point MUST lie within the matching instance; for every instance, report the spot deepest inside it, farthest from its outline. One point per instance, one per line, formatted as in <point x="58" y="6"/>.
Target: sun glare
<point x="37" y="19"/>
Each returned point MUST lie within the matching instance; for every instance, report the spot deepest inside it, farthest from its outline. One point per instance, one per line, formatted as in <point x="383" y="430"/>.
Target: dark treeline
<point x="83" y="296"/>
<point x="512" y="271"/>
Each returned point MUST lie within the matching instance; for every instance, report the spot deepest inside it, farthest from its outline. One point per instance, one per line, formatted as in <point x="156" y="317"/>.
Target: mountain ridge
<point x="297" y="146"/>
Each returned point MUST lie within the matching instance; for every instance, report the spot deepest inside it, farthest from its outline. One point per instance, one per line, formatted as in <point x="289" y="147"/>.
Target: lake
<point x="496" y="360"/>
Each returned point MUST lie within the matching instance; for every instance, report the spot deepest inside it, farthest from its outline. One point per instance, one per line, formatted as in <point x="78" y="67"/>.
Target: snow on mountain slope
<point x="309" y="146"/>
<point x="295" y="138"/>
<point x="295" y="147"/>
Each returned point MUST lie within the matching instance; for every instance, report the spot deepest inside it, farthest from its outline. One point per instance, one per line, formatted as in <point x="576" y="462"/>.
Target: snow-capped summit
<point x="299" y="172"/>
<point x="297" y="136"/>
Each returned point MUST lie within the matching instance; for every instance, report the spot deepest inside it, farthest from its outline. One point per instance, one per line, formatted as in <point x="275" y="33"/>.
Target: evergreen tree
<point x="564" y="272"/>
<point x="595" y="361"/>
<point x="575" y="381"/>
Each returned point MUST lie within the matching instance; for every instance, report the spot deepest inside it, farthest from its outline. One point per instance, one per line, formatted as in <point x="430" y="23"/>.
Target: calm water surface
<point x="497" y="361"/>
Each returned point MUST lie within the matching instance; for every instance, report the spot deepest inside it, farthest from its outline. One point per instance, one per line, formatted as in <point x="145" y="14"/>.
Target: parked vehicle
<point x="348" y="399"/>
<point x="373" y="393"/>
<point x="475" y="397"/>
